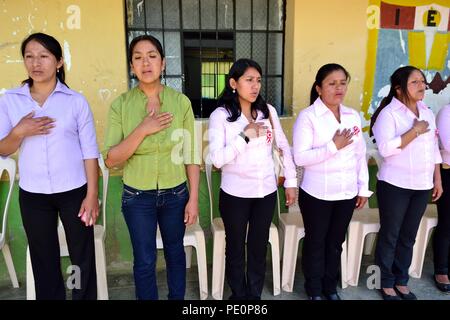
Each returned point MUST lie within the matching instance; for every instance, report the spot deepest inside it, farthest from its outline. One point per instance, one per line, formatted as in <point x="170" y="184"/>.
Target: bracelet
<point x="417" y="131"/>
<point x="242" y="134"/>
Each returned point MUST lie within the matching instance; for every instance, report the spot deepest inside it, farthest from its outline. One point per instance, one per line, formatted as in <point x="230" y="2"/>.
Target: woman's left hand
<point x="190" y="212"/>
<point x="290" y="195"/>
<point x="89" y="207"/>
<point x="437" y="191"/>
<point x="360" y="202"/>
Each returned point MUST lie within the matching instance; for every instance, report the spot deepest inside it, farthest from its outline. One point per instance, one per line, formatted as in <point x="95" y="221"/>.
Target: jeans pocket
<point x="128" y="195"/>
<point x="182" y="193"/>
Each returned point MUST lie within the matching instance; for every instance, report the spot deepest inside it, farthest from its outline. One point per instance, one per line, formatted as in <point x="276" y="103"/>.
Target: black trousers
<point x="400" y="213"/>
<point x="326" y="224"/>
<point x="237" y="213"/>
<point x="40" y="218"/>
<point x="441" y="238"/>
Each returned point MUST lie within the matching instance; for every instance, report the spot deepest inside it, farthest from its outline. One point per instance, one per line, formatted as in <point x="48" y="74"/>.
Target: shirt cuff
<point x="393" y="146"/>
<point x="364" y="193"/>
<point x="290" y="183"/>
<point x="332" y="147"/>
<point x="91" y="154"/>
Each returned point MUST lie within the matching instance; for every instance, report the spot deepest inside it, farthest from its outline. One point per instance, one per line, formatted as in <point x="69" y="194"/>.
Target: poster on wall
<point x="407" y="32"/>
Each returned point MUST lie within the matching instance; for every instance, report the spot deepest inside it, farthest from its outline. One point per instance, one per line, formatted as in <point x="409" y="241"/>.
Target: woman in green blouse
<point x="151" y="132"/>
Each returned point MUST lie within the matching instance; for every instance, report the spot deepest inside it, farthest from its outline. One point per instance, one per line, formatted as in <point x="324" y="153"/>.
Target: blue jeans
<point x="143" y="211"/>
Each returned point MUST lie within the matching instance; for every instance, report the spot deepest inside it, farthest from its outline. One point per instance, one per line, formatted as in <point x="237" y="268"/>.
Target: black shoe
<point x="315" y="298"/>
<point x="388" y="296"/>
<point x="406" y="296"/>
<point x="444" y="287"/>
<point x="333" y="296"/>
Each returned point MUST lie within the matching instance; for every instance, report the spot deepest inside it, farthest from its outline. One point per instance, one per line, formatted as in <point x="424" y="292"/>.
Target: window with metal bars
<point x="202" y="38"/>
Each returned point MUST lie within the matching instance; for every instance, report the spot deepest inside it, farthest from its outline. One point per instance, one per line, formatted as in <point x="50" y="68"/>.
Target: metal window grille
<point x="195" y="33"/>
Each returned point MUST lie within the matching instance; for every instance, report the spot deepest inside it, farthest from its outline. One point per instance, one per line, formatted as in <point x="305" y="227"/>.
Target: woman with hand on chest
<point x="151" y="133"/>
<point x="46" y="121"/>
<point x="405" y="133"/>
<point x="241" y="135"/>
<point x="329" y="145"/>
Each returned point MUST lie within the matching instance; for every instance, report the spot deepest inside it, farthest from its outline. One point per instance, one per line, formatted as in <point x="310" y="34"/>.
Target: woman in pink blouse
<point x="240" y="143"/>
<point x="405" y="133"/>
<point x="329" y="144"/>
<point x="53" y="129"/>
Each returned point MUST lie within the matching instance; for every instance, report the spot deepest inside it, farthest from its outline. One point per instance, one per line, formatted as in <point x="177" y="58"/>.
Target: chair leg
<point x="202" y="265"/>
<point x="344" y="265"/>
<point x="420" y="247"/>
<point x="354" y="253"/>
<point x="10" y="265"/>
<point x="369" y="243"/>
<point x="31" y="293"/>
<point x="281" y="233"/>
<point x="289" y="258"/>
<point x="100" y="266"/>
<point x="188" y="253"/>
<point x="218" y="265"/>
<point x="275" y="246"/>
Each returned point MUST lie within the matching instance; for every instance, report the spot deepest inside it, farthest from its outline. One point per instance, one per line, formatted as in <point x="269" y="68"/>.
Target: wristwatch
<point x="242" y="134"/>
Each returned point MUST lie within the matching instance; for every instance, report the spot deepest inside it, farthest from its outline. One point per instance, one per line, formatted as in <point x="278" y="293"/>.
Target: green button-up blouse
<point x="159" y="161"/>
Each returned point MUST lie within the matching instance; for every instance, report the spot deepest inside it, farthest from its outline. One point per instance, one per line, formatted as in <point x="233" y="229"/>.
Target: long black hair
<point x="53" y="46"/>
<point x="322" y="73"/>
<point x="399" y="81"/>
<point x="230" y="100"/>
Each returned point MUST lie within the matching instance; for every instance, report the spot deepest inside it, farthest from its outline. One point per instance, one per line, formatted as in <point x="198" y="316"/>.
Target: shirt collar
<point x="397" y="104"/>
<point x="320" y="108"/>
<point x="25" y="89"/>
<point x="138" y="91"/>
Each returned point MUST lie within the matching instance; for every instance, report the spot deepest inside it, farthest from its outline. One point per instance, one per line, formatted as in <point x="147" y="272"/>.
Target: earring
<point x="57" y="70"/>
<point x="234" y="90"/>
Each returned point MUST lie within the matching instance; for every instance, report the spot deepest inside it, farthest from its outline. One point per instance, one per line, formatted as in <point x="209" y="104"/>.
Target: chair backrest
<point x="8" y="165"/>
<point x="105" y="179"/>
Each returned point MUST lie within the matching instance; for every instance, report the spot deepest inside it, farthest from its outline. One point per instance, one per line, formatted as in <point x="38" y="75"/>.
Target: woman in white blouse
<point x="240" y="143"/>
<point x="405" y="133"/>
<point x="441" y="238"/>
<point x="329" y="144"/>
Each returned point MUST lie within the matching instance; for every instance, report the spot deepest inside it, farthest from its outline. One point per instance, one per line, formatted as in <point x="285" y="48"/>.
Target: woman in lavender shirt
<point x="53" y="129"/>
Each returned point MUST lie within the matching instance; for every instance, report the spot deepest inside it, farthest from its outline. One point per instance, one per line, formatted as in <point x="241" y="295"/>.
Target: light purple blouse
<point x="53" y="162"/>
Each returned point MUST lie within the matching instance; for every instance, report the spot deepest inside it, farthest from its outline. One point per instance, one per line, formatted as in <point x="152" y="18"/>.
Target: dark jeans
<point x="143" y="212"/>
<point x="40" y="220"/>
<point x="441" y="238"/>
<point x="326" y="224"/>
<point x="400" y="213"/>
<point x="237" y="213"/>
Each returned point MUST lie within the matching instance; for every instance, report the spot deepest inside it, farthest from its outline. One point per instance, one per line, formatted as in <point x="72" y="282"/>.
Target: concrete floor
<point x="121" y="286"/>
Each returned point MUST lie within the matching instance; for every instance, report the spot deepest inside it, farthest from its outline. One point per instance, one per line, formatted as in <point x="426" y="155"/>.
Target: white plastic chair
<point x="428" y="222"/>
<point x="99" y="241"/>
<point x="193" y="237"/>
<point x="218" y="231"/>
<point x="8" y="165"/>
<point x="292" y="231"/>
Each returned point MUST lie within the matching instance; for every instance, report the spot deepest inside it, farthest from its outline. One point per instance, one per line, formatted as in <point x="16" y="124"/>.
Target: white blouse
<point x="330" y="174"/>
<point x="248" y="169"/>
<point x="413" y="166"/>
